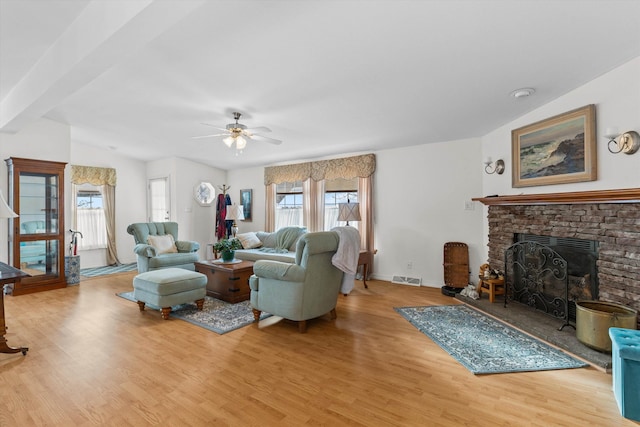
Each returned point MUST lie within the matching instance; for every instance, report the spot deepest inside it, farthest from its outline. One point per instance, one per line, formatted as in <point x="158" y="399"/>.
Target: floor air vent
<point x="405" y="280"/>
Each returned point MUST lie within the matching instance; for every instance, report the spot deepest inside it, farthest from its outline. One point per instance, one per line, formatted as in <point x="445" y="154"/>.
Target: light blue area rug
<point x="484" y="345"/>
<point x="101" y="271"/>
<point x="217" y="316"/>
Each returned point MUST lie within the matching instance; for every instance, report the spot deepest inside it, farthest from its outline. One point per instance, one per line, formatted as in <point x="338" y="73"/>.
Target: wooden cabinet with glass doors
<point x="36" y="236"/>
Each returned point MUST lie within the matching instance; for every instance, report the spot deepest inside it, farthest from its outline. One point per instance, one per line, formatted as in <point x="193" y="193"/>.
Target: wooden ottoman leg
<point x="256" y="314"/>
<point x="200" y="303"/>
<point x="141" y="305"/>
<point x="165" y="312"/>
<point x="333" y="314"/>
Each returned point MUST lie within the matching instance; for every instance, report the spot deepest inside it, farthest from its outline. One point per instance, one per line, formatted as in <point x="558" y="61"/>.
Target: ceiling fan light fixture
<point x="228" y="141"/>
<point x="239" y="134"/>
<point x="240" y="143"/>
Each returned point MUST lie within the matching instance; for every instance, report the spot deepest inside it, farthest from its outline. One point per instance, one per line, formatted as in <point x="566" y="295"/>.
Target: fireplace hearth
<point x="610" y="218"/>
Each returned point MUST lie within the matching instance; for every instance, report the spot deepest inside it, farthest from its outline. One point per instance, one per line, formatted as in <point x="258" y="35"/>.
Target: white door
<point x="159" y="201"/>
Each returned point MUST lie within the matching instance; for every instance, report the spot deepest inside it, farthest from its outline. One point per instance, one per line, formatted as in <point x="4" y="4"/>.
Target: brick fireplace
<point x="612" y="218"/>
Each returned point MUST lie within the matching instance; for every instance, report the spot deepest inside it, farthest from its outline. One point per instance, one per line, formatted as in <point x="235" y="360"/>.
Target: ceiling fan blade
<point x="209" y="136"/>
<point x="259" y="129"/>
<point x="265" y="139"/>
<point x="214" y="126"/>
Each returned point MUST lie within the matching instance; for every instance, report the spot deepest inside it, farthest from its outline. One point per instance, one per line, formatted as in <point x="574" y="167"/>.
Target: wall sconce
<point x="628" y="143"/>
<point x="494" y="167"/>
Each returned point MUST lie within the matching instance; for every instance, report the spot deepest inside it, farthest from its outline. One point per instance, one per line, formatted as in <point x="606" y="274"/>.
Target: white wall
<point x="420" y="195"/>
<point x="249" y="179"/>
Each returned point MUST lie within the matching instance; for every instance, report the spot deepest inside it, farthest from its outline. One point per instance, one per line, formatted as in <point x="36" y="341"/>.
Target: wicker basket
<point x="456" y="265"/>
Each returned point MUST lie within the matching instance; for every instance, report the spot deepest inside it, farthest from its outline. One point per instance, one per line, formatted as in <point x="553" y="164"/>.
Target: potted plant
<point x="227" y="248"/>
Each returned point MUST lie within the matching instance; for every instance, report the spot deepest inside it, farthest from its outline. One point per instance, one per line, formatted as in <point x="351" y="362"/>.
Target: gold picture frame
<point x="557" y="150"/>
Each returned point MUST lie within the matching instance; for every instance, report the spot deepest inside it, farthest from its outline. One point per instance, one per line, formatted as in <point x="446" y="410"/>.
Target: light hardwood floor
<point x="94" y="359"/>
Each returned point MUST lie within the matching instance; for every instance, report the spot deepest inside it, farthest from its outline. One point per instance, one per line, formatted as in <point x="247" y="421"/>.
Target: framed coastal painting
<point x="557" y="150"/>
<point x="245" y="201"/>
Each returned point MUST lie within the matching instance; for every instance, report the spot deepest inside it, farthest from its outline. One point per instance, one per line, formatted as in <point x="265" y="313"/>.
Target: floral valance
<point x="93" y="175"/>
<point x="347" y="168"/>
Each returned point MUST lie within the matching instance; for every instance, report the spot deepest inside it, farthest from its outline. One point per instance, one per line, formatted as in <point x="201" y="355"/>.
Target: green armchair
<point x="184" y="255"/>
<point x="307" y="289"/>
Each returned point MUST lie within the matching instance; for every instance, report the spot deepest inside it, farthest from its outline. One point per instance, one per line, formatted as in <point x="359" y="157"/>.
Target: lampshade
<point x="240" y="143"/>
<point x="234" y="212"/>
<point x="228" y="141"/>
<point x="349" y="212"/>
<point x="5" y="210"/>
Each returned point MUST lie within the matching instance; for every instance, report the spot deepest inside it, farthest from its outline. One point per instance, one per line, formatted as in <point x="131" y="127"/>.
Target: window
<point x="338" y="191"/>
<point x="88" y="199"/>
<point x="289" y="204"/>
<point x="316" y="197"/>
<point x="91" y="221"/>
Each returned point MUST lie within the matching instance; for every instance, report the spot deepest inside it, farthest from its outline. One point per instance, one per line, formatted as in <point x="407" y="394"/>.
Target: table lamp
<point x="5" y="212"/>
<point x="348" y="212"/>
<point x="234" y="213"/>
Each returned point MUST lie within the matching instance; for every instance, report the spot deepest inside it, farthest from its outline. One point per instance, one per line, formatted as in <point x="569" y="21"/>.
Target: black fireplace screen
<point x="536" y="275"/>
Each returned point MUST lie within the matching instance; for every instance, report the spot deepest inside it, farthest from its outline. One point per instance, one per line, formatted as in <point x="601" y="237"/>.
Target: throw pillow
<point x="249" y="240"/>
<point x="163" y="244"/>
<point x="268" y="239"/>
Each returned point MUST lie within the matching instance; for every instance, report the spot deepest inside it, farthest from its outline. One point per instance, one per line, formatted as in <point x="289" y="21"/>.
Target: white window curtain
<point x="331" y="217"/>
<point x="288" y="216"/>
<point x="93" y="226"/>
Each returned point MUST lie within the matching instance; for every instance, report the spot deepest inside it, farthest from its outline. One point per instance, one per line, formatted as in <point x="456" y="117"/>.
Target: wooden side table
<point x="8" y="274"/>
<point x="493" y="286"/>
<point x="365" y="259"/>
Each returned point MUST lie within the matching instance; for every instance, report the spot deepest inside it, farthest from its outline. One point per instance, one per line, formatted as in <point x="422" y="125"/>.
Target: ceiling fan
<point x="237" y="132"/>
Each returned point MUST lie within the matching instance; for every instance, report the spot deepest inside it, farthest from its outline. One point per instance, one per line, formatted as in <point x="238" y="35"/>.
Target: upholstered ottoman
<point x="625" y="358"/>
<point x="168" y="287"/>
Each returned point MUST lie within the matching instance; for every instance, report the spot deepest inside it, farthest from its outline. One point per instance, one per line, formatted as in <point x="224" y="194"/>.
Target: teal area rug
<point x="217" y="316"/>
<point x="484" y="345"/>
<point x="101" y="271"/>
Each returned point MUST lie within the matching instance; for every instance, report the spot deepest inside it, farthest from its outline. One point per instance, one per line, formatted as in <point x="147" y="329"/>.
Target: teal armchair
<point x="149" y="257"/>
<point x="307" y="289"/>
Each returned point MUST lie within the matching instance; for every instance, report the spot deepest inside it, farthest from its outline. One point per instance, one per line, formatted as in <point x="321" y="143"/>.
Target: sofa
<point x="276" y="246"/>
<point x="157" y="247"/>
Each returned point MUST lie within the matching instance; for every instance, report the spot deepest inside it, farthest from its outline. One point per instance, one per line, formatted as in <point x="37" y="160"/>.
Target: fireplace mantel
<point x="630" y="195"/>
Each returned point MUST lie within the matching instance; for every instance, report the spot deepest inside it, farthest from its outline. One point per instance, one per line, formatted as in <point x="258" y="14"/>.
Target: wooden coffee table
<point x="227" y="281"/>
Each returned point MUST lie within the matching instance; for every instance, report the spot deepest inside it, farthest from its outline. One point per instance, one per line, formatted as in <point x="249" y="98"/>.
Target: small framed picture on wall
<point x="245" y="201"/>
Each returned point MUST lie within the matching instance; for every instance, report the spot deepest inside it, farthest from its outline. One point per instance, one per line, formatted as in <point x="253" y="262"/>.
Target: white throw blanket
<point x="346" y="257"/>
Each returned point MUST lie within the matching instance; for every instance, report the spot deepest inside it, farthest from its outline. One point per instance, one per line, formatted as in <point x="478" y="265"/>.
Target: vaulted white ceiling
<point x="327" y="77"/>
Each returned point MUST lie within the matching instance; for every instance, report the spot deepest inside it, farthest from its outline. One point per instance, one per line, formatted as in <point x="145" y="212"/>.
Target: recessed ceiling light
<point x="523" y="93"/>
